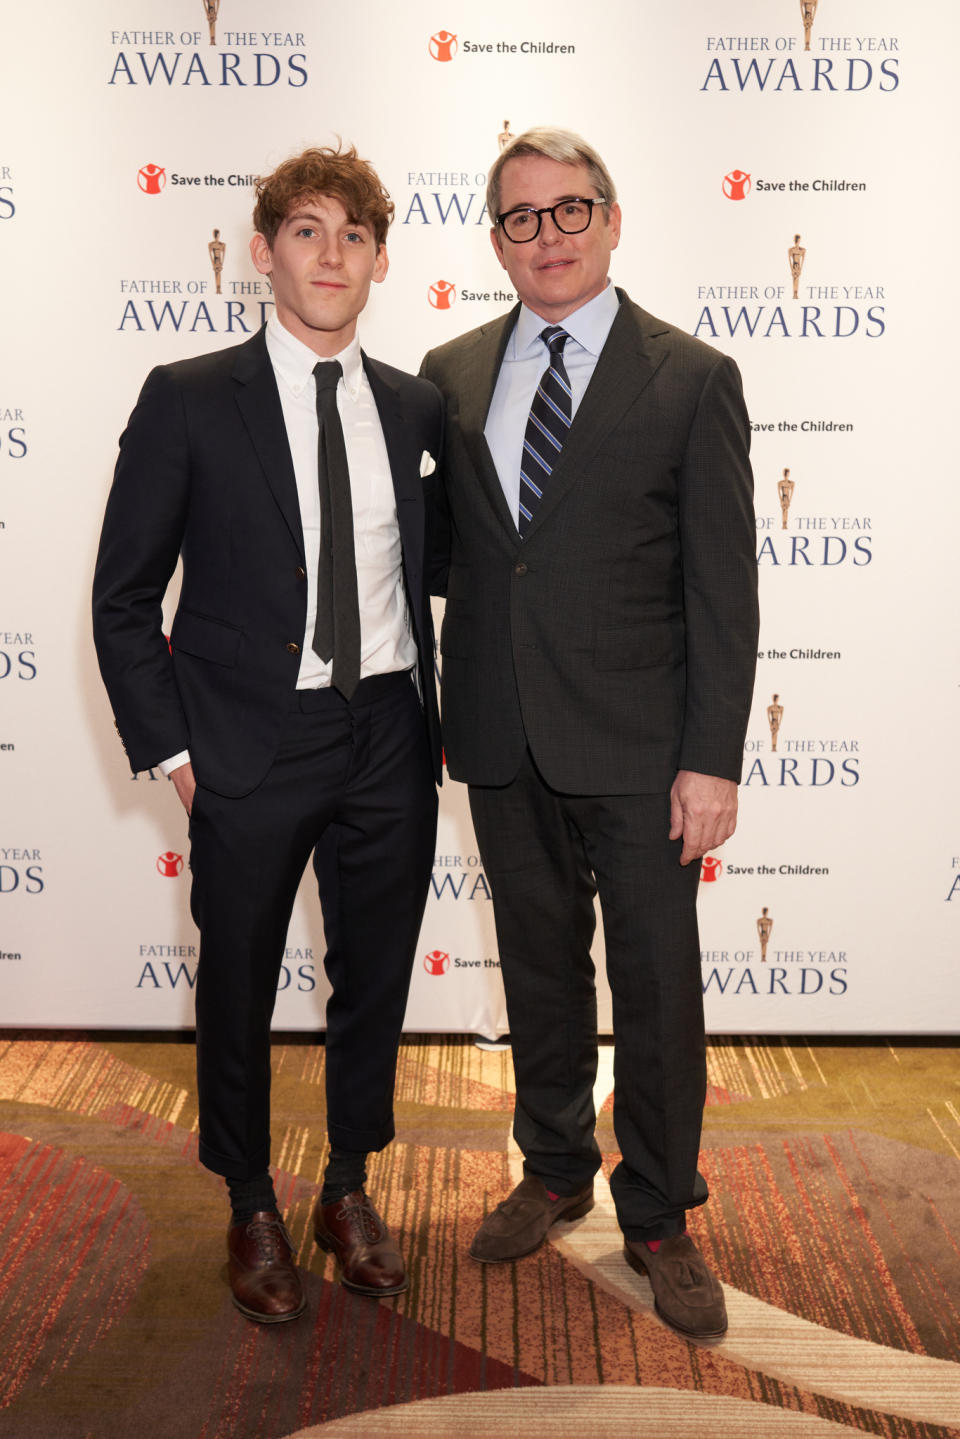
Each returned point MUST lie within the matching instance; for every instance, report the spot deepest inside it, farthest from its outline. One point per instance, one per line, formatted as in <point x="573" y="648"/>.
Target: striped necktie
<point x="547" y="426"/>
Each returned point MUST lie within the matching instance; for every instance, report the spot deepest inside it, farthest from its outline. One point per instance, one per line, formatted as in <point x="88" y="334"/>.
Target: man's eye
<point x="307" y="231"/>
<point x="522" y="218"/>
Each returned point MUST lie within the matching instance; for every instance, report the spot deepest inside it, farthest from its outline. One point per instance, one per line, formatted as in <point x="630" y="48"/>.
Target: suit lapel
<point x="627" y="363"/>
<point x="480" y="367"/>
<point x="404" y="464"/>
<point x="258" y="400"/>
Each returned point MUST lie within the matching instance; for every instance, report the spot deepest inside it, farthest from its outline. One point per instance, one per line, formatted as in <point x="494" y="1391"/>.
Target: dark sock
<point x="346" y="1171"/>
<point x="248" y="1196"/>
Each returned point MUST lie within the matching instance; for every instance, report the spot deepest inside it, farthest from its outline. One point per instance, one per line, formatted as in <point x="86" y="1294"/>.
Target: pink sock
<point x="654" y="1244"/>
<point x="551" y="1196"/>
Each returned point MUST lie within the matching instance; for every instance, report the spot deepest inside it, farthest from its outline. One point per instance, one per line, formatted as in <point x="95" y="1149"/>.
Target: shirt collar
<point x="589" y="326"/>
<point x="293" y="361"/>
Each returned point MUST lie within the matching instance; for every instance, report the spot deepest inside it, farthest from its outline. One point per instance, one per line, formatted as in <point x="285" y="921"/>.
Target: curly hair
<point x="340" y="174"/>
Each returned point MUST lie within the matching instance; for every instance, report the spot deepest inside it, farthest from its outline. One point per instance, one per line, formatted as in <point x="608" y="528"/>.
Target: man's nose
<point x="329" y="251"/>
<point x="550" y="234"/>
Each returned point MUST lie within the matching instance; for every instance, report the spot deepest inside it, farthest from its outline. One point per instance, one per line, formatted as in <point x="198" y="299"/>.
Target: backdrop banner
<point x="786" y="197"/>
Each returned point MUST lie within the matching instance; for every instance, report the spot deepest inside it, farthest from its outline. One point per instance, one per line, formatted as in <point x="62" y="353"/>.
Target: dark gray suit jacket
<point x="619" y="638"/>
<point x="205" y="471"/>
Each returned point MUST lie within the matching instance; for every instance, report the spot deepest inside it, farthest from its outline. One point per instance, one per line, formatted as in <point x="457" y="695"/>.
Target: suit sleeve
<point x="139" y="545"/>
<point x="717" y="540"/>
<point x="437" y="559"/>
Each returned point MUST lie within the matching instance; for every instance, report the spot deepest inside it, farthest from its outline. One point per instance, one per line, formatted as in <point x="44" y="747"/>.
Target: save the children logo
<point x="151" y="179"/>
<point x="436" y="962"/>
<point x="443" y="45"/>
<point x="442" y="294"/>
<point x="169" y="864"/>
<point x="737" y="185"/>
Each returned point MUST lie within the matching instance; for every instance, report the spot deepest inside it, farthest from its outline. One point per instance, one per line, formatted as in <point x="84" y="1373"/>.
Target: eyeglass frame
<point x="551" y="211"/>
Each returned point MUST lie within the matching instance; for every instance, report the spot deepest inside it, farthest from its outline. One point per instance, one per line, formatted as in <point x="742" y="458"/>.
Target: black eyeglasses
<point x="570" y="217"/>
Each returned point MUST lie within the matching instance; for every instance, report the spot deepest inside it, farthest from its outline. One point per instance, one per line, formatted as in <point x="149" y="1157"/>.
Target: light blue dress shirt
<point x="524" y="361"/>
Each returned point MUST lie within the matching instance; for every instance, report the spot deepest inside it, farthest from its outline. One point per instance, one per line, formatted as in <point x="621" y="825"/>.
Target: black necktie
<point x="547" y="426"/>
<point x="336" y="635"/>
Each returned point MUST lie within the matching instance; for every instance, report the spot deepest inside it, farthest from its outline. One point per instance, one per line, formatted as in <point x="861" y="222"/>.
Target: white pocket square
<point x="427" y="464"/>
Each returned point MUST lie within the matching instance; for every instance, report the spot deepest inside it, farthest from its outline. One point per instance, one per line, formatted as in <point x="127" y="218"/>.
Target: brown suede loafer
<point x="352" y="1230"/>
<point x="519" y="1224"/>
<point x="686" y="1295"/>
<point x="263" y="1277"/>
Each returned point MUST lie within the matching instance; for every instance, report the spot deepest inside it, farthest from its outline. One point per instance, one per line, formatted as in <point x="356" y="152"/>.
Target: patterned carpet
<point x="834" y="1224"/>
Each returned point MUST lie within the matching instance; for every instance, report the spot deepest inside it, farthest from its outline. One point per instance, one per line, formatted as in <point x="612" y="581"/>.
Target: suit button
<point x="520" y="568"/>
<point x="300" y="572"/>
<point x="292" y="648"/>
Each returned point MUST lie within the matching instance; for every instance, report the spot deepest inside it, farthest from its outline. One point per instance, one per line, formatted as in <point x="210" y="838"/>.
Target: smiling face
<point x="321" y="266"/>
<point x="555" y="273"/>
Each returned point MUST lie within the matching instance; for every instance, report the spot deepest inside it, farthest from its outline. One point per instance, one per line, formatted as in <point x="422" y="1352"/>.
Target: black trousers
<point x="351" y="783"/>
<point x="547" y="855"/>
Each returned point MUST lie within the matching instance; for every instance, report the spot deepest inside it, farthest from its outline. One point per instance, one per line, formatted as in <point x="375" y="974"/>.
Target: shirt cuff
<point x="167" y="766"/>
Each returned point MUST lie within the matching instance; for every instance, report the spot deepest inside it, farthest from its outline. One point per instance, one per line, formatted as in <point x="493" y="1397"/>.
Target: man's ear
<point x="260" y="254"/>
<point x="497" y="245"/>
<point x="613" y="223"/>
<point x="381" y="264"/>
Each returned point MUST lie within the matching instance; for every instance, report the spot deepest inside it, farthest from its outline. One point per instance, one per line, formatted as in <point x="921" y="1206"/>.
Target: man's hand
<point x="185" y="784"/>
<point x="703" y="809"/>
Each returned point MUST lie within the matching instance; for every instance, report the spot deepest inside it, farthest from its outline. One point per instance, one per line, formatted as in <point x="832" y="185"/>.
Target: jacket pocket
<point x="205" y="638"/>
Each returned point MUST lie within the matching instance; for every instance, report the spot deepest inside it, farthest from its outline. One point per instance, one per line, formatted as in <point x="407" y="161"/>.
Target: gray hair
<point x="561" y="145"/>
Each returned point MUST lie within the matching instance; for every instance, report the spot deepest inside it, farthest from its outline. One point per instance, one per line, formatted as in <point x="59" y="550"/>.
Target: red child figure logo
<point x="442" y="295"/>
<point x="737" y="185"/>
<point x="443" y="45"/>
<point x="151" y="179"/>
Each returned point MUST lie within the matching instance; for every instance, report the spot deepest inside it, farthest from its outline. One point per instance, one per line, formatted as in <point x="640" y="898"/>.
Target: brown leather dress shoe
<point x="687" y="1296"/>
<point x="352" y="1230"/>
<point x="263" y="1277"/>
<point x="520" y="1222"/>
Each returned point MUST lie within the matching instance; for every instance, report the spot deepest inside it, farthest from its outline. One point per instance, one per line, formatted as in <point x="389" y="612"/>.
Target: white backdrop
<point x="124" y="146"/>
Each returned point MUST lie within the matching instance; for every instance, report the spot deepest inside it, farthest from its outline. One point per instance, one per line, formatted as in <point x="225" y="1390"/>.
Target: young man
<point x="295" y="710"/>
<point x="598" y="645"/>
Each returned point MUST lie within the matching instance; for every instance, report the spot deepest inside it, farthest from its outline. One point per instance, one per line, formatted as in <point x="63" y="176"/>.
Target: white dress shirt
<point x="386" y="639"/>
<point x="524" y="361"/>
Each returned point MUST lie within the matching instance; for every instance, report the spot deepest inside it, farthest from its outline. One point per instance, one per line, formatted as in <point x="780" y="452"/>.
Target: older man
<point x="598" y="649"/>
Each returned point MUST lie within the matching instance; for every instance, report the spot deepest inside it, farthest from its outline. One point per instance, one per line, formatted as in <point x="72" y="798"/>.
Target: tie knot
<point x="554" y="337"/>
<point x="327" y="374"/>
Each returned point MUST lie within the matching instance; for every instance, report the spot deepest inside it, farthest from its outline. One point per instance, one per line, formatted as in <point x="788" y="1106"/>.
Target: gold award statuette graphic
<point x="774" y="717"/>
<point x="808" y="9"/>
<point x="217" y="251"/>
<point x="764" y="928"/>
<point x="785" y="495"/>
<point x="796" y="255"/>
<point x="211" y="8"/>
<point x="505" y="136"/>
